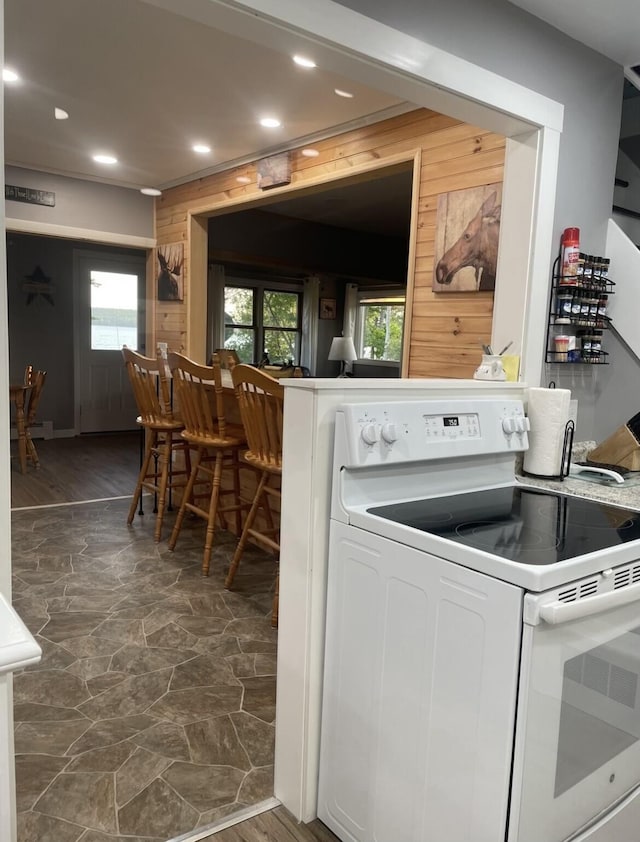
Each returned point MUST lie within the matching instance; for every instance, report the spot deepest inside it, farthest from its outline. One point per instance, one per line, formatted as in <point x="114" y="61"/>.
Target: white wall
<point x="81" y="205"/>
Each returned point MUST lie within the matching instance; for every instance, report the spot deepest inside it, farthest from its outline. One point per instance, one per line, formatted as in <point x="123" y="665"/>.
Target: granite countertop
<point x="627" y="495"/>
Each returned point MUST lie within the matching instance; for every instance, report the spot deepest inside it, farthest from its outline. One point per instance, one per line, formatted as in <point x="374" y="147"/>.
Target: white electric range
<point x="483" y="638"/>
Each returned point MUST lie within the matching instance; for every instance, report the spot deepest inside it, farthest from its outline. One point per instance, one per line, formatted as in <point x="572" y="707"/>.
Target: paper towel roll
<point x="548" y="412"/>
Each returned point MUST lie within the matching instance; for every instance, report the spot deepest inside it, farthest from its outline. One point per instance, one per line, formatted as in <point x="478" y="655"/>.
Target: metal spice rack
<point x="581" y="291"/>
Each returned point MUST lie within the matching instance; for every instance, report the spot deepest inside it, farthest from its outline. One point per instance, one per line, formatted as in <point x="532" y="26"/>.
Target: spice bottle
<point x="588" y="269"/>
<point x="602" y="309"/>
<point x="563" y="308"/>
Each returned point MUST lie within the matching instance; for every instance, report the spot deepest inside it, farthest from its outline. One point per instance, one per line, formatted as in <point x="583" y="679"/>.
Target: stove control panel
<point x="407" y="431"/>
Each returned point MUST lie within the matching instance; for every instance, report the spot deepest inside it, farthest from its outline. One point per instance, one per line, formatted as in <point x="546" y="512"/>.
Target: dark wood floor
<point x="90" y="467"/>
<point x="275" y="826"/>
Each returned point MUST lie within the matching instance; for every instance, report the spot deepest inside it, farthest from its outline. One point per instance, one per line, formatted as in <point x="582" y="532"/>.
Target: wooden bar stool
<point x="261" y="400"/>
<point x="162" y="433"/>
<point x="36" y="381"/>
<point x="216" y="443"/>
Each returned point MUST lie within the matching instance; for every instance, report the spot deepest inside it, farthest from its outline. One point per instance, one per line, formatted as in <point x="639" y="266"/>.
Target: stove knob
<point x="389" y="433"/>
<point x="509" y="425"/>
<point x="523" y="424"/>
<point x="370" y="434"/>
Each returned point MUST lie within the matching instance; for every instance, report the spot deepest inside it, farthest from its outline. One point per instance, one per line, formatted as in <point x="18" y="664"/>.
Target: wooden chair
<point x="162" y="433"/>
<point x="261" y="400"/>
<point x="216" y="443"/>
<point x="225" y="357"/>
<point x="35" y="379"/>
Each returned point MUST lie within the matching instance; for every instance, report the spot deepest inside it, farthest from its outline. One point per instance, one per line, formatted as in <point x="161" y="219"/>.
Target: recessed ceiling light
<point x="310" y="153"/>
<point x="151" y="191"/>
<point x="201" y="148"/>
<point x="105" y="159"/>
<point x="345" y="94"/>
<point x="9" y="75"/>
<point x="270" y="122"/>
<point x="243" y="179"/>
<point x="304" y="62"/>
<point x="60" y="114"/>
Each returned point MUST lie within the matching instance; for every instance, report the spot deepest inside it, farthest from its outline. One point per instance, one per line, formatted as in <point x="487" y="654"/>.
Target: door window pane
<point x="599" y="717"/>
<point x="114" y="311"/>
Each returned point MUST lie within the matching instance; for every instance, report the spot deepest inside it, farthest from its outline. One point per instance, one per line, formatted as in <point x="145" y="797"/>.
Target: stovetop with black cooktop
<point x="527" y="525"/>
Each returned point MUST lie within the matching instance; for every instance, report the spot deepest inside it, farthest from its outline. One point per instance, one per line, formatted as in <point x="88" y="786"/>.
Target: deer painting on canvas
<point x="170" y="260"/>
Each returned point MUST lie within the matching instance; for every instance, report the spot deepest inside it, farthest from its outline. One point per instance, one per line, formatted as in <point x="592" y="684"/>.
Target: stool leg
<point x="143" y="440"/>
<point x="253" y="511"/>
<point x="237" y="515"/>
<point x="151" y="439"/>
<point x="213" y="506"/>
<point x="165" y="466"/>
<point x="185" y="499"/>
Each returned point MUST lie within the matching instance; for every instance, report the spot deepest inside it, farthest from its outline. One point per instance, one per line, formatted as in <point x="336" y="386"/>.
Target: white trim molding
<point x="50" y="229"/>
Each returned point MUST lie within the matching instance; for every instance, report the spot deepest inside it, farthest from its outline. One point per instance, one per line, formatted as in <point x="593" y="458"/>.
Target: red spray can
<point x="570" y="255"/>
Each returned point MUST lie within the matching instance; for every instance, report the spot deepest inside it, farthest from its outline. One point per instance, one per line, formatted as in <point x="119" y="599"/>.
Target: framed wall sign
<point x="328" y="309"/>
<point x="274" y="171"/>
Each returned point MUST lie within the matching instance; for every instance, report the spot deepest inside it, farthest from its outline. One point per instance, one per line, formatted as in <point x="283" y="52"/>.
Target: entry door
<point x="110" y="299"/>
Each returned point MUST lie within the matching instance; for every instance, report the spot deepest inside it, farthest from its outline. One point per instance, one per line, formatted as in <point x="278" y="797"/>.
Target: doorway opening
<point x="350" y="232"/>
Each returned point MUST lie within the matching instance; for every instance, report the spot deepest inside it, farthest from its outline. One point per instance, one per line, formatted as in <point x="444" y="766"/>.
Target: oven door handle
<point x="563" y="612"/>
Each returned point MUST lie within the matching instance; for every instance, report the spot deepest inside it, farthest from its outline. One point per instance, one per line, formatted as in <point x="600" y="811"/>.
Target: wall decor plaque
<point x="14" y="193"/>
<point x="274" y="171"/>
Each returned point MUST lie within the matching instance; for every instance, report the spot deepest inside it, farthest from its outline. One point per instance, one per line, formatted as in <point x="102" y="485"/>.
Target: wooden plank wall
<point x="445" y="328"/>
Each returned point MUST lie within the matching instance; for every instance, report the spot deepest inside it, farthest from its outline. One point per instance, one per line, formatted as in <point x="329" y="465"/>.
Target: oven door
<point x="577" y="751"/>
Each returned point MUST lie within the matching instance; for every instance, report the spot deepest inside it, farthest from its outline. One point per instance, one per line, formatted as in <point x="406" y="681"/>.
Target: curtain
<point x="216" y="307"/>
<point x="310" y="305"/>
<point x="350" y="315"/>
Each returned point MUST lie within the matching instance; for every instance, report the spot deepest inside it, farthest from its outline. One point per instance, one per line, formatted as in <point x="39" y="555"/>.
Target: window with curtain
<point x="380" y="325"/>
<point x="263" y="318"/>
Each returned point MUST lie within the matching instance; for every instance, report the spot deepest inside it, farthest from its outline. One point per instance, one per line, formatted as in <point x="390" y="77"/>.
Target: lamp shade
<point x="342" y="348"/>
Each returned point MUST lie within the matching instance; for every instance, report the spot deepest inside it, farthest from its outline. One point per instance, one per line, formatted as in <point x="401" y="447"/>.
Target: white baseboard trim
<point x="229" y="821"/>
<point x="39" y="430"/>
<point x="64" y="434"/>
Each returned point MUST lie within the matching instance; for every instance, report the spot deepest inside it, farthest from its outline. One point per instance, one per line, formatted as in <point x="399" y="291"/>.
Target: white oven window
<point x="600" y="713"/>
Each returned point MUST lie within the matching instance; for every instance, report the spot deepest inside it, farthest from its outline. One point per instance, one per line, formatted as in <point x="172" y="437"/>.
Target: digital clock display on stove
<point x="451" y="421"/>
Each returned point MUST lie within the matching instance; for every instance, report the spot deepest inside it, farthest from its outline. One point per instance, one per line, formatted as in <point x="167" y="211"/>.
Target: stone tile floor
<point x="152" y="710"/>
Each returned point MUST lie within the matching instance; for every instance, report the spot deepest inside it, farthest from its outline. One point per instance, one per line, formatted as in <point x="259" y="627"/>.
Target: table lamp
<point x="343" y="349"/>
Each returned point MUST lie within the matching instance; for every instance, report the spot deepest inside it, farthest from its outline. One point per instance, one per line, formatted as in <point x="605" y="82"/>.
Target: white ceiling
<point x="145" y="84"/>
